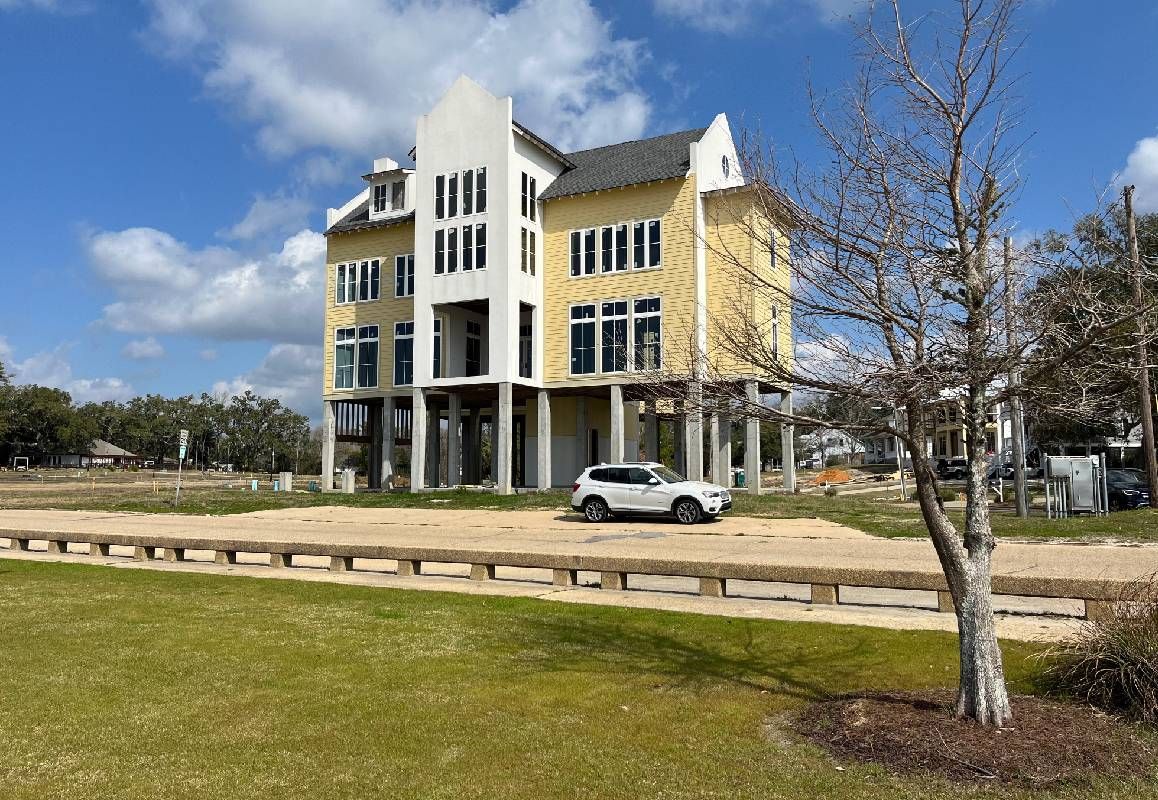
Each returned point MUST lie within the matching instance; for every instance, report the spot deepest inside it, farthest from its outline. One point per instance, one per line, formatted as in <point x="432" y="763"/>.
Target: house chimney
<point x="384" y="164"/>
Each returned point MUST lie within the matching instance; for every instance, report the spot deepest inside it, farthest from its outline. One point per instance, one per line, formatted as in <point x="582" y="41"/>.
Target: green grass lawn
<point x="881" y="515"/>
<point x="145" y="684"/>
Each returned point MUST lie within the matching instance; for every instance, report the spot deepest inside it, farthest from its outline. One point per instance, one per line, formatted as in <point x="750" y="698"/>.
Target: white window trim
<point x="659" y="314"/>
<point x="409" y="274"/>
<point x="358" y="267"/>
<point x="357" y="351"/>
<point x="583" y="253"/>
<point x="571" y="323"/>
<point x="631" y="223"/>
<point x="394" y="352"/>
<point x="354" y="374"/>
<point x="647" y="244"/>
<point x="627" y="317"/>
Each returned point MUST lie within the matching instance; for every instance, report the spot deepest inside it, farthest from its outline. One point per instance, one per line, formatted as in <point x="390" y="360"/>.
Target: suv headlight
<point x="711" y="494"/>
<point x="1130" y="492"/>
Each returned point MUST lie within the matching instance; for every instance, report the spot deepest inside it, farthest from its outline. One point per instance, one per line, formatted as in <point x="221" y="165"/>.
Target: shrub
<point x="947" y="494"/>
<point x="830" y="491"/>
<point x="1113" y="663"/>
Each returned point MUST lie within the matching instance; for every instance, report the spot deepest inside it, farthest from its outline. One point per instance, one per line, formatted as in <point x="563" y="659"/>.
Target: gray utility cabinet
<point x="1081" y="473"/>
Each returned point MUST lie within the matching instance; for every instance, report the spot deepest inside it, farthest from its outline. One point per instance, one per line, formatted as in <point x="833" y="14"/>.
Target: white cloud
<point x="289" y="372"/>
<point x="271" y="214"/>
<point x="354" y="78"/>
<point x="54" y="368"/>
<point x="1142" y="171"/>
<point x="142" y="349"/>
<point x="743" y="16"/>
<point x="165" y="286"/>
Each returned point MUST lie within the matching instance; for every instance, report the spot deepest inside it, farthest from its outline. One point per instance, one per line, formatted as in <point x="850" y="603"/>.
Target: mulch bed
<point x="1046" y="743"/>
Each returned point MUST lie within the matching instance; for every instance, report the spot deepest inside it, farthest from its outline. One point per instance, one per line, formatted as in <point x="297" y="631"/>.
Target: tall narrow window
<point x="613" y="340"/>
<point x="533" y="255"/>
<point x="648" y="332"/>
<point x="473" y="348"/>
<point x="439" y="251"/>
<point x="398" y="196"/>
<point x="772" y="247"/>
<point x="467" y="192"/>
<point x="621" y="247"/>
<point x="606" y="248"/>
<point x="583" y="339"/>
<point x="344" y="358"/>
<point x="576" y="254"/>
<point x="480" y="246"/>
<point x="437" y="366"/>
<point x="526" y="351"/>
<point x="369" y="280"/>
<point x="654" y="245"/>
<point x="638" y="245"/>
<point x="452" y="249"/>
<point x="467" y="248"/>
<point x="589" y="251"/>
<point x="340" y="285"/>
<point x="440" y="197"/>
<point x="351" y="283"/>
<point x="775" y="331"/>
<point x="480" y="197"/>
<point x="381" y="197"/>
<point x="452" y="195"/>
<point x="403" y="353"/>
<point x="523" y="248"/>
<point x="403" y="276"/>
<point x="533" y="201"/>
<point x="526" y="178"/>
<point x="367" y="356"/>
<point x="364" y="283"/>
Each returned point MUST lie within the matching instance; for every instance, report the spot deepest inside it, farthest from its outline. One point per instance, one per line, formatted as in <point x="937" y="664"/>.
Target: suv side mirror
<point x="653" y="481"/>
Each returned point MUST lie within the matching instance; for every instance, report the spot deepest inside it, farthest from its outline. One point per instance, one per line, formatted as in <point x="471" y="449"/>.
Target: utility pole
<point x="1016" y="418"/>
<point x="1145" y="402"/>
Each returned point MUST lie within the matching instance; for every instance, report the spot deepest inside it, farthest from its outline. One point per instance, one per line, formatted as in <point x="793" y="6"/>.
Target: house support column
<point x="616" y="454"/>
<point x="752" y="460"/>
<point x="650" y="431"/>
<point x="787" y="432"/>
<point x="374" y="451"/>
<point x="582" y="454"/>
<point x="473" y="440"/>
<point x="418" y="429"/>
<point x="329" y="436"/>
<point x="388" y="437"/>
<point x="694" y="427"/>
<point x="433" y="446"/>
<point x="721" y="435"/>
<point x="453" y="454"/>
<point x="494" y="442"/>
<point x="544" y="439"/>
<point x="679" y="440"/>
<point x="503" y="440"/>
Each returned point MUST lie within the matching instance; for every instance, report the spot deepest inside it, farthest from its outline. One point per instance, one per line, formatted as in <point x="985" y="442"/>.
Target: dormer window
<point x="381" y="198"/>
<point x="398" y="196"/>
<point x="725" y="165"/>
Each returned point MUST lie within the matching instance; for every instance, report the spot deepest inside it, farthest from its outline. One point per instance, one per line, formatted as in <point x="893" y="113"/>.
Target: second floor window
<point x="467" y="192"/>
<point x="472" y="245"/>
<point x="403" y="353"/>
<point x="440" y="197"/>
<point x="583" y="339"/>
<point x="356" y="356"/>
<point x="529" y="195"/>
<point x="452" y="194"/>
<point x="452" y="249"/>
<point x="646" y="313"/>
<point x="473" y="348"/>
<point x="439" y="251"/>
<point x="403" y="276"/>
<point x="614" y="338"/>
<point x="367" y="356"/>
<point x="480" y="190"/>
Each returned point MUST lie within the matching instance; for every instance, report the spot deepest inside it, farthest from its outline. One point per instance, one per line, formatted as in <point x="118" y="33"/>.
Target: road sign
<point x="184" y="439"/>
<point x="182" y="456"/>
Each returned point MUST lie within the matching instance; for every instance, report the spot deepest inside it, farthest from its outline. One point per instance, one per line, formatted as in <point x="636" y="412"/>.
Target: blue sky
<point x="167" y="163"/>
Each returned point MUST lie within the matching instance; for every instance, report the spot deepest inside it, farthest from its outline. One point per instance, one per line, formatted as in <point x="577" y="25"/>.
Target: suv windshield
<point x="667" y="475"/>
<point x="1124" y="478"/>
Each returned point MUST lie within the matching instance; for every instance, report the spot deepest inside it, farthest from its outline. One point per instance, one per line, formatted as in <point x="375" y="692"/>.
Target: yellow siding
<point x="674" y="281"/>
<point x="383" y="244"/>
<point x="739" y="276"/>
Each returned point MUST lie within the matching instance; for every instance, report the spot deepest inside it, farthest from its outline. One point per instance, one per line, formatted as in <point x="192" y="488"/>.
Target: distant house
<point x="101" y="454"/>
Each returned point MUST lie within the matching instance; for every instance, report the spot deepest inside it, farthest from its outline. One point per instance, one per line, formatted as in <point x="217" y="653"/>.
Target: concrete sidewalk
<point x="805" y="543"/>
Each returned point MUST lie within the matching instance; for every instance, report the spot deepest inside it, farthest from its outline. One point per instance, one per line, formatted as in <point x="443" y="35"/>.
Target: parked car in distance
<point x="1127" y="489"/>
<point x="954" y="468"/>
<point x="646" y="488"/>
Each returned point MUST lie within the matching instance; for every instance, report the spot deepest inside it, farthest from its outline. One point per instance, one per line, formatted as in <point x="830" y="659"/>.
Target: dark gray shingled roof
<point x="616" y="165"/>
<point x="359" y="220"/>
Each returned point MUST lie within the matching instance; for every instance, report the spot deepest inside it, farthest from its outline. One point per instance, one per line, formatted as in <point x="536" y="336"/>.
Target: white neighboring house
<point x="824" y="443"/>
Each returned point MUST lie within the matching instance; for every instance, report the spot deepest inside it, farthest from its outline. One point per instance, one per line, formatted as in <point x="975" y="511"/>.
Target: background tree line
<point x="253" y="433"/>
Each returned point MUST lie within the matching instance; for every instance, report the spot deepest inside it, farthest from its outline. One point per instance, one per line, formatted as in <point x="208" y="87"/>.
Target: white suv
<point x="645" y="488"/>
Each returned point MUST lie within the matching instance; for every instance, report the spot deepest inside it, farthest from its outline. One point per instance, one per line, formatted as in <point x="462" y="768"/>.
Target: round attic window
<point x="725" y="165"/>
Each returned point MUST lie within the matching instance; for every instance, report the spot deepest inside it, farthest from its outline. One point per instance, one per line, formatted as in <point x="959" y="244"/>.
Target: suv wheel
<point x="688" y="511"/>
<point x="595" y="510"/>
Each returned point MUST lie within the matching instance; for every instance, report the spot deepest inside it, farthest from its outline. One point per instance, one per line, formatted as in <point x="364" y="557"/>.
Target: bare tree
<point x="897" y="290"/>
